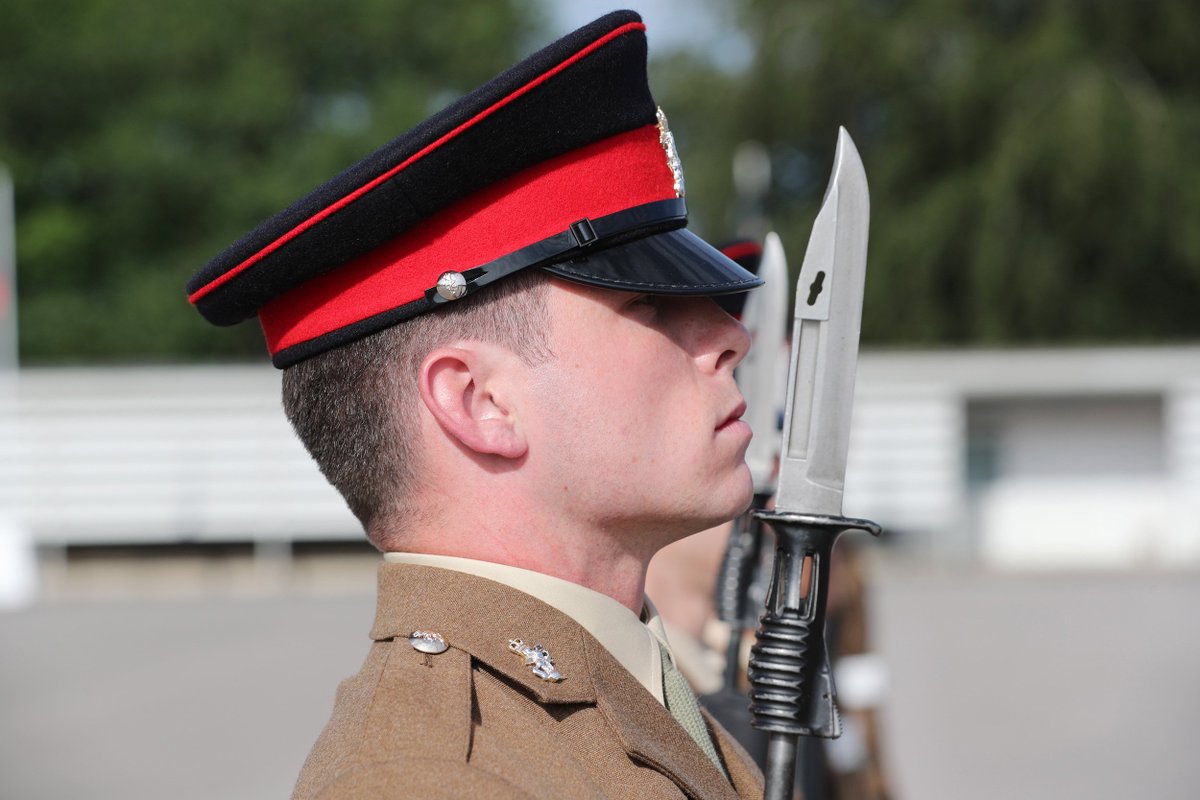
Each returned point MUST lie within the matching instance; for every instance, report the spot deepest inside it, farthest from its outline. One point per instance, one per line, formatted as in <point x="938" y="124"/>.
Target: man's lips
<point x="734" y="416"/>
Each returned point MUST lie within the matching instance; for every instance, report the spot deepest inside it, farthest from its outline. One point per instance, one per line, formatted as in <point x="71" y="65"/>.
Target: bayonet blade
<point x="759" y="376"/>
<point x="828" y="316"/>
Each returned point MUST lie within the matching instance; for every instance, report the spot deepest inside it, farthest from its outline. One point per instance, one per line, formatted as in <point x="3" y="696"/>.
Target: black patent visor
<point x="671" y="262"/>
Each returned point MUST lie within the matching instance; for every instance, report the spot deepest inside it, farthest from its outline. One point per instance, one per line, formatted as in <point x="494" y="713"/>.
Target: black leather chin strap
<point x="580" y="237"/>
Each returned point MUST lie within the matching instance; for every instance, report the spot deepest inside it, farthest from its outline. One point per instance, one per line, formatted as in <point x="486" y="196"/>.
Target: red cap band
<point x="608" y="176"/>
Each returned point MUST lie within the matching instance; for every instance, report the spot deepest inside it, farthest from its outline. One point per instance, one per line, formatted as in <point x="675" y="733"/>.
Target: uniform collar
<point x="634" y="643"/>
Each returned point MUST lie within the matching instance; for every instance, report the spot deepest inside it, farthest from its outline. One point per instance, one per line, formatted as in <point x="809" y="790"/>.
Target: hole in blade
<point x="815" y="288"/>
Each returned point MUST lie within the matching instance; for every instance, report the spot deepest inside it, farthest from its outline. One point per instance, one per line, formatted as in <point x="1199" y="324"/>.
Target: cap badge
<point x="537" y="658"/>
<point x="451" y="285"/>
<point x="667" y="140"/>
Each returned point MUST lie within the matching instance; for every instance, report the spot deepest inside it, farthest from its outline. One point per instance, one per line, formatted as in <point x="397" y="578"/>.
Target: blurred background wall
<point x="1027" y="425"/>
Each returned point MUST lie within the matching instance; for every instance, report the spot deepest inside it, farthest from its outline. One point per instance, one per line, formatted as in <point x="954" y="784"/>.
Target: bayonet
<point x="792" y="690"/>
<point x="828" y="315"/>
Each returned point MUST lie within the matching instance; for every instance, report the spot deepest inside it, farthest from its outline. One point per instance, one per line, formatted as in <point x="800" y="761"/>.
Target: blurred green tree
<point x="143" y="137"/>
<point x="1033" y="165"/>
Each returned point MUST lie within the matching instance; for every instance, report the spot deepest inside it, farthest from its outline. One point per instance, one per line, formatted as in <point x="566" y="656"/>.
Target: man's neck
<point x="596" y="562"/>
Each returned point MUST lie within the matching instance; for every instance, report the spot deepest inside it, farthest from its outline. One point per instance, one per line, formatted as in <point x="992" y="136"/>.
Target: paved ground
<point x="1042" y="686"/>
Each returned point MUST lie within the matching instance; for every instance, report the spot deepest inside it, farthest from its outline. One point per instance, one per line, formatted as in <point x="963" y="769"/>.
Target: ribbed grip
<point x="777" y="674"/>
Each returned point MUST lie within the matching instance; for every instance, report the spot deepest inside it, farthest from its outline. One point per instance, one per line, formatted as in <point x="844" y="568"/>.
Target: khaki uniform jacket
<point x="474" y="721"/>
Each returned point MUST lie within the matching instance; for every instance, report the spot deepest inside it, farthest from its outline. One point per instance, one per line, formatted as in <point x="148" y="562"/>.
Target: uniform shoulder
<point x="399" y="714"/>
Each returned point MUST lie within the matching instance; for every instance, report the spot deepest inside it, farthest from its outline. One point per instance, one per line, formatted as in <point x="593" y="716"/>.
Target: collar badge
<point x="537" y="658"/>
<point x="667" y="140"/>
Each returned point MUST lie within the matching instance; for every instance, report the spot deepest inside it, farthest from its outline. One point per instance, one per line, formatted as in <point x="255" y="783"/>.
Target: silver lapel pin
<point x="538" y="658"/>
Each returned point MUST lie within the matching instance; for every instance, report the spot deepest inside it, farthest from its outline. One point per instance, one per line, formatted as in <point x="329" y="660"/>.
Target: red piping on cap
<point x="221" y="280"/>
<point x="605" y="177"/>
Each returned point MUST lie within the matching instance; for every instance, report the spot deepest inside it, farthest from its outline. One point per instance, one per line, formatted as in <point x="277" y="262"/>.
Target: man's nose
<point x="730" y="341"/>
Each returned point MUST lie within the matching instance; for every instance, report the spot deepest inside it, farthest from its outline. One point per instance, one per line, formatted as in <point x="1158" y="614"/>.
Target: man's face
<point x="635" y="426"/>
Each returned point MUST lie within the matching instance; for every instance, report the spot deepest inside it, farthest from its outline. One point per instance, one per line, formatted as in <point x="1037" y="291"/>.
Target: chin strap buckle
<point x="583" y="232"/>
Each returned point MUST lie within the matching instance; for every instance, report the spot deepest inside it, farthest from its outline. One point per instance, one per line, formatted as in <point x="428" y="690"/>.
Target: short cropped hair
<point x="355" y="407"/>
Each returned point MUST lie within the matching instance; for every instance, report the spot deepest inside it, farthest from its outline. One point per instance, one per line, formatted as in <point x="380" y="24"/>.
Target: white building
<point x="1075" y="457"/>
<point x="1020" y="458"/>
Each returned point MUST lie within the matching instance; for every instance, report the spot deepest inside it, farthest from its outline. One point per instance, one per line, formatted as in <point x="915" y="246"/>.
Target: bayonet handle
<point x="791" y="683"/>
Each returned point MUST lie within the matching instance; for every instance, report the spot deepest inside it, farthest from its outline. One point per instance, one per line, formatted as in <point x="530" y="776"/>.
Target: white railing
<point x="204" y="454"/>
<point x="160" y="454"/>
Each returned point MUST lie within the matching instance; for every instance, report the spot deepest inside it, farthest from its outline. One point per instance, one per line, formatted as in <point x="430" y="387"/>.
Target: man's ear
<point x="461" y="387"/>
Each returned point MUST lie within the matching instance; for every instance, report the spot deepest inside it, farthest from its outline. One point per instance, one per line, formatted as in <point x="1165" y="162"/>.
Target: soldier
<point x="520" y="450"/>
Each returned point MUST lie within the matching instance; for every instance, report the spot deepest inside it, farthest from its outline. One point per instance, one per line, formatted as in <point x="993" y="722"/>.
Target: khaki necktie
<point x="683" y="706"/>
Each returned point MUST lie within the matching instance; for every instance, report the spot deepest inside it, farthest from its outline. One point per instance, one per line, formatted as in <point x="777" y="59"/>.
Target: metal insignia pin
<point x="451" y="285"/>
<point x="538" y="658"/>
<point x="667" y="140"/>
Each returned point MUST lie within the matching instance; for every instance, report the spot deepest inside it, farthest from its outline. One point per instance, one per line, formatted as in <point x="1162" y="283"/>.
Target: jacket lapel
<point x="648" y="732"/>
<point x="747" y="778"/>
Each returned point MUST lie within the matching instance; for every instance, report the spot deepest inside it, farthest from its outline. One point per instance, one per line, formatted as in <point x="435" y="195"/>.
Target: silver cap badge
<point x="667" y="140"/>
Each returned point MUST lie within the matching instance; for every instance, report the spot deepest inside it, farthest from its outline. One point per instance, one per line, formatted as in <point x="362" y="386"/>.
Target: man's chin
<point x="737" y="506"/>
<point x="746" y="499"/>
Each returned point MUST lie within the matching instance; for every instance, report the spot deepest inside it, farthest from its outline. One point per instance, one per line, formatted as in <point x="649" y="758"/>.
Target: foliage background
<point x="144" y="137"/>
<point x="1033" y="164"/>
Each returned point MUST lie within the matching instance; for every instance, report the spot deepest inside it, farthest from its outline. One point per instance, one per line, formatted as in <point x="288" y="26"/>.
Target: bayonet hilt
<point x="791" y="681"/>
